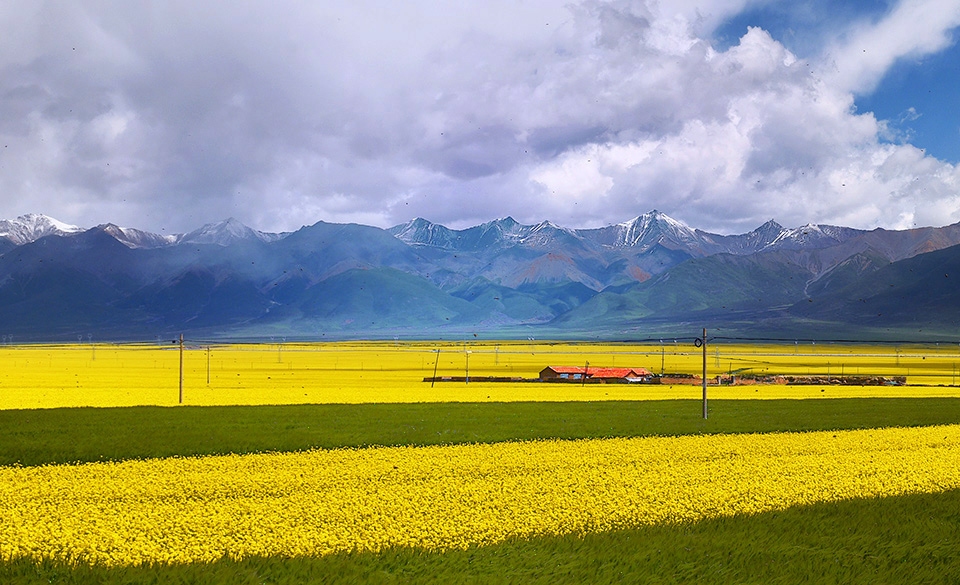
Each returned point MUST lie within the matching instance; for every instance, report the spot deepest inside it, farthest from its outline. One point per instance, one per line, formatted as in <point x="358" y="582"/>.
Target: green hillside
<point x="363" y="298"/>
<point x="924" y="289"/>
<point x="719" y="286"/>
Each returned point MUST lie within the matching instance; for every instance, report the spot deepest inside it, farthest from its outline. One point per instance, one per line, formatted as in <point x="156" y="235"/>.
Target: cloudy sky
<point x="721" y="113"/>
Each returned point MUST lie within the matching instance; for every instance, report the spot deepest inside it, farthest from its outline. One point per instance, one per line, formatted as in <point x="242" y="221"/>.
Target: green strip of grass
<point x="907" y="539"/>
<point x="36" y="437"/>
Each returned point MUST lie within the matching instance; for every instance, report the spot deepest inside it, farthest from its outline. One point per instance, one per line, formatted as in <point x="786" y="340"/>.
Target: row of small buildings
<point x="643" y="375"/>
<point x="598" y="375"/>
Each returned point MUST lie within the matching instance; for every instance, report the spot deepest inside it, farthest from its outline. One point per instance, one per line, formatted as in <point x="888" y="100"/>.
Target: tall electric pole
<point x="704" y="346"/>
<point x="181" y="368"/>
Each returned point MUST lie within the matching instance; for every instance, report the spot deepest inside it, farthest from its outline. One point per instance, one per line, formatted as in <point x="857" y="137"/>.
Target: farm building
<point x="578" y="373"/>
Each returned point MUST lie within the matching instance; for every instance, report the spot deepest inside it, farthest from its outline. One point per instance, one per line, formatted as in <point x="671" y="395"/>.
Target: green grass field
<point x="68" y="435"/>
<point x="910" y="539"/>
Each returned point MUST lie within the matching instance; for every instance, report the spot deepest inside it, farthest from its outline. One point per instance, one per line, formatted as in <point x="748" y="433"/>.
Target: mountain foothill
<point x="647" y="276"/>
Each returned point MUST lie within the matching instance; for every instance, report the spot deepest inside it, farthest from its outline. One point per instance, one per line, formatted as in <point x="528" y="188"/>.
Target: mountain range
<point x="650" y="275"/>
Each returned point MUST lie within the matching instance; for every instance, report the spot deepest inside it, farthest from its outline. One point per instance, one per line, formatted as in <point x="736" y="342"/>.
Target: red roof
<point x="602" y="372"/>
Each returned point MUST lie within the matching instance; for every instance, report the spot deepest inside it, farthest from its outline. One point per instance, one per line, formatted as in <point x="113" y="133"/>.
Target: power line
<point x="848" y="341"/>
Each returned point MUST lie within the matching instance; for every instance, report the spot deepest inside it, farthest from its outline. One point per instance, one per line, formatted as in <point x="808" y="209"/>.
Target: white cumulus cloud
<point x="166" y="116"/>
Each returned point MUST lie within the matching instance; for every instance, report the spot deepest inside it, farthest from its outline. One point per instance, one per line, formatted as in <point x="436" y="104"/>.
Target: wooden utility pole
<point x="583" y="379"/>
<point x="435" y="364"/>
<point x="704" y="346"/>
<point x="208" y="365"/>
<point x="181" y="368"/>
<point x="467" y="367"/>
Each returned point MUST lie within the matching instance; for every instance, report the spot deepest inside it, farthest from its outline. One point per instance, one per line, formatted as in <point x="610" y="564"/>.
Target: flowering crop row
<point x="319" y="502"/>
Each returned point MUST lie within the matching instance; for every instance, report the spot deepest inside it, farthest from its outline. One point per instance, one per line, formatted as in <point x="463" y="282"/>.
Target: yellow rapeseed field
<point x="370" y="372"/>
<point x="319" y="502"/>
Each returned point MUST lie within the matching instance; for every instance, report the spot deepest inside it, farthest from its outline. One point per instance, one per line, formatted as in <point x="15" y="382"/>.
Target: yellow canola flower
<point x="320" y="502"/>
<point x="377" y="372"/>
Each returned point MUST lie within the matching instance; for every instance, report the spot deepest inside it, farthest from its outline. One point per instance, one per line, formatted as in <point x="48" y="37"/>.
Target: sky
<point x="720" y="113"/>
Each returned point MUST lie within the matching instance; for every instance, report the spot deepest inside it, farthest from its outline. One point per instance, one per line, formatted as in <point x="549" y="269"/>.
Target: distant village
<point x="603" y="375"/>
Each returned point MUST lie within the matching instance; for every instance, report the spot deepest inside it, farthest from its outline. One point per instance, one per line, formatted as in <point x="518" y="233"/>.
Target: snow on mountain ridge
<point x="134" y="238"/>
<point x="645" y="231"/>
<point x="640" y="233"/>
<point x="224" y="233"/>
<point x="501" y="232"/>
<point x="33" y="226"/>
<point x="811" y="236"/>
<point x="421" y="232"/>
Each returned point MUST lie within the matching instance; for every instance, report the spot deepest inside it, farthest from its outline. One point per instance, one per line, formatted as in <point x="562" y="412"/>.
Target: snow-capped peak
<point x="547" y="225"/>
<point x="651" y="217"/>
<point x="33" y="226"/>
<point x="134" y="238"/>
<point x="224" y="233"/>
<point x="507" y="226"/>
<point x="811" y="236"/>
<point x="652" y="227"/>
<point x="423" y="232"/>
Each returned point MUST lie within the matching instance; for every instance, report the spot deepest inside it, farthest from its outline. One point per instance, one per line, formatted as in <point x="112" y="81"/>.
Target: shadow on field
<point x="906" y="539"/>
<point x="37" y="437"/>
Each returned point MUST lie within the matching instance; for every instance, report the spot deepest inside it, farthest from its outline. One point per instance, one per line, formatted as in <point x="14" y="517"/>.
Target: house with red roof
<point x="592" y="373"/>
